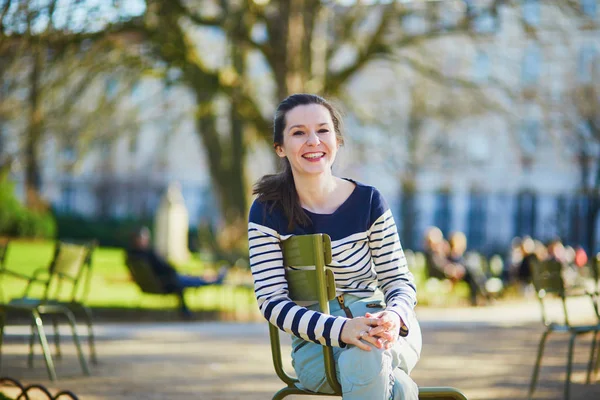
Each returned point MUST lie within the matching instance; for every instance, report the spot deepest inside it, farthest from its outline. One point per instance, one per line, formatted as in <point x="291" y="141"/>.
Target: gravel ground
<point x="488" y="352"/>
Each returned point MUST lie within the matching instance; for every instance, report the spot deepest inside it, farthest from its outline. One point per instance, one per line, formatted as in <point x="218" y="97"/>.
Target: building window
<point x="589" y="8"/>
<point x="525" y="216"/>
<point x="476" y="223"/>
<point x="531" y="12"/>
<point x="530" y="72"/>
<point x="443" y="212"/>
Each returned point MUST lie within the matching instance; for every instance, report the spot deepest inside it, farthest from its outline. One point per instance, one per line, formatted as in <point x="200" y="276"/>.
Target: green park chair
<point x="548" y="280"/>
<point x="80" y="282"/>
<point x="68" y="265"/>
<point x="318" y="284"/>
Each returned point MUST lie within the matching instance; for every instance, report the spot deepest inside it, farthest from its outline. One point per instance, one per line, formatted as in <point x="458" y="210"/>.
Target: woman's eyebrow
<point x="302" y="126"/>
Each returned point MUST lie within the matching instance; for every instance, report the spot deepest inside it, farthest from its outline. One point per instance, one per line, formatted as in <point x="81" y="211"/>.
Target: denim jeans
<point x="377" y="374"/>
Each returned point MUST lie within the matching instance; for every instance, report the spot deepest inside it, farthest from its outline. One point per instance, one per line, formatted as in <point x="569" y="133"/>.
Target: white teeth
<point x="314" y="155"/>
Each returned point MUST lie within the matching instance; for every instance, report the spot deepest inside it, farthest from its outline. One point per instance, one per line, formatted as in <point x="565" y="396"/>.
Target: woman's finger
<point x="361" y="345"/>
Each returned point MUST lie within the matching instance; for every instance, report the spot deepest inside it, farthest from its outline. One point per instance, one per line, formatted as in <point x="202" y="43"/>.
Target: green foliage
<point x="18" y="221"/>
<point x="107" y="231"/>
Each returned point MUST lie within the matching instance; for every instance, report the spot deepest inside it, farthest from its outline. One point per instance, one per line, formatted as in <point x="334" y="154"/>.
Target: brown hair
<point x="279" y="188"/>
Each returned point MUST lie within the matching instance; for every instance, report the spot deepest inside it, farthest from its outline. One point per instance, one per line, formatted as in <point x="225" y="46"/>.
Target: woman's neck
<point x="317" y="193"/>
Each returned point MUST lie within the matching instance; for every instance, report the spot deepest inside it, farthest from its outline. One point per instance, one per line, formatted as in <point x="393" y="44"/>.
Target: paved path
<point x="488" y="352"/>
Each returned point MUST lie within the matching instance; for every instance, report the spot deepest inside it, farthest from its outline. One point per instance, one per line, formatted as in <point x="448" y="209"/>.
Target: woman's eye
<point x="323" y="130"/>
<point x="297" y="133"/>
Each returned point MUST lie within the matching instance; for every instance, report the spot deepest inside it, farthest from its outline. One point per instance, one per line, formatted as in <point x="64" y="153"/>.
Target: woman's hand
<point x="357" y="330"/>
<point x="388" y="327"/>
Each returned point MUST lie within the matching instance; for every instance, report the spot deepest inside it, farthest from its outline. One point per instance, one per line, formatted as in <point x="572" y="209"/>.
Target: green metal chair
<point x="80" y="281"/>
<point x="548" y="280"/>
<point x="67" y="265"/>
<point x="318" y="284"/>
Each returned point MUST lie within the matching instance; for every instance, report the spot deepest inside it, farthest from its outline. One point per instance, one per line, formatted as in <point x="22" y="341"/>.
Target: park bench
<point x="69" y="266"/>
<point x="318" y="284"/>
<point x="548" y="280"/>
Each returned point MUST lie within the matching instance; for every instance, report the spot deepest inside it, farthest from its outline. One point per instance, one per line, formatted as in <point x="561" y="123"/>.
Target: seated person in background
<point x="436" y="255"/>
<point x="173" y="281"/>
<point x="471" y="274"/>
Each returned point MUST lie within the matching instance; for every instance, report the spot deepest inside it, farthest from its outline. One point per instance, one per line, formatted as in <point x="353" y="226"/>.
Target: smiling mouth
<point x="313" y="156"/>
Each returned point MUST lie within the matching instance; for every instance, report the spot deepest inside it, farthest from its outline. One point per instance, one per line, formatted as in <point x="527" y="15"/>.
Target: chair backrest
<point x="547" y="278"/>
<point x="308" y="280"/>
<point x="70" y="264"/>
<point x="313" y="251"/>
<point x="144" y="276"/>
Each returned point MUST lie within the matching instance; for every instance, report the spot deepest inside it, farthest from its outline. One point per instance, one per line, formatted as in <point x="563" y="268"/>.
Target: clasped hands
<point x="380" y="329"/>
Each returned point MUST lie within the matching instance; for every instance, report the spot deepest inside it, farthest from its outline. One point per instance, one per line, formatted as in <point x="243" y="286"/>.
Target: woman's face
<point x="309" y="140"/>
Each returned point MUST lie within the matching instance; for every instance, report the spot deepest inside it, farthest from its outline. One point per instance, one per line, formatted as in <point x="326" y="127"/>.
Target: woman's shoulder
<point x="265" y="213"/>
<point x="368" y="192"/>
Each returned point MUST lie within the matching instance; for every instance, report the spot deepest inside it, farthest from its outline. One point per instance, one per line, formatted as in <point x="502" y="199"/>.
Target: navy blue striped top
<point x="366" y="254"/>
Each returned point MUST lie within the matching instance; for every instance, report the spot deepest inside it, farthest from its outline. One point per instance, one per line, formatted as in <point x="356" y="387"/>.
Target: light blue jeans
<point x="375" y="375"/>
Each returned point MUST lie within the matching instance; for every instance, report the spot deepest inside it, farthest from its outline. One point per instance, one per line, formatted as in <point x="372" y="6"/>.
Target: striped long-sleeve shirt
<point x="366" y="255"/>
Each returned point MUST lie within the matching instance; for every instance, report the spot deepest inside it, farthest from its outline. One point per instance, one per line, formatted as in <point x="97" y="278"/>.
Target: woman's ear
<point x="279" y="151"/>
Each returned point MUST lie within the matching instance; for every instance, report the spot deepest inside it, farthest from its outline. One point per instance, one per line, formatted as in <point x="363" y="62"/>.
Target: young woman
<point x="373" y="328"/>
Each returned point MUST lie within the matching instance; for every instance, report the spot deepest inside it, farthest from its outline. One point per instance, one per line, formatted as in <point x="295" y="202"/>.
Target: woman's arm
<point x="395" y="279"/>
<point x="271" y="290"/>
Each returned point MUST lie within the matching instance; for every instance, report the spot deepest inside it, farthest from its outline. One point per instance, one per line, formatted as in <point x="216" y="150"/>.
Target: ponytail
<point x="280" y="191"/>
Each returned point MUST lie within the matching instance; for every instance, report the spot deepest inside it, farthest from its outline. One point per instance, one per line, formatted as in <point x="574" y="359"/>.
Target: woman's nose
<point x="313" y="138"/>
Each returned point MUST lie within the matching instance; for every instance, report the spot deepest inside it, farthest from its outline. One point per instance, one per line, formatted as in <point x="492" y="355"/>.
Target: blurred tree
<point x="305" y="45"/>
<point x="55" y="54"/>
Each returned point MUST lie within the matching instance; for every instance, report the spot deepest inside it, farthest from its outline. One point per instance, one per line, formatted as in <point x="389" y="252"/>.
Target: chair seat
<point x="578" y="329"/>
<point x="30" y="303"/>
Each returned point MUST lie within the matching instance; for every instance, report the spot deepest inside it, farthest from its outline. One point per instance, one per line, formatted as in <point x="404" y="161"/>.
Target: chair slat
<point x="547" y="277"/>
<point x="70" y="259"/>
<point x="302" y="284"/>
<point x="298" y="250"/>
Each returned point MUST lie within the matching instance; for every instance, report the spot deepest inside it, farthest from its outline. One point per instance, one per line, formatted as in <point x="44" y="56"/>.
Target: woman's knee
<point x="404" y="387"/>
<point x="361" y="367"/>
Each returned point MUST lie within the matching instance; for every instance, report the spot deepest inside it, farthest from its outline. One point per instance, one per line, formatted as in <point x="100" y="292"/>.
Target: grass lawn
<point x="112" y="286"/>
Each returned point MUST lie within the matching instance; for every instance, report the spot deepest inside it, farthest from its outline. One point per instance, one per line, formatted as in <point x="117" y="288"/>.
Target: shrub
<point x="107" y="231"/>
<point x="18" y="221"/>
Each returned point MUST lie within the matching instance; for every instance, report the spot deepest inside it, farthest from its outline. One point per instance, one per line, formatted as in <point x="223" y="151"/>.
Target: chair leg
<point x="2" y="322"/>
<point x="91" y="341"/>
<point x="82" y="360"/>
<point x="569" y="365"/>
<point x="56" y="337"/>
<point x="597" y="362"/>
<point x="287" y="391"/>
<point x="538" y="361"/>
<point x="31" y="342"/>
<point x="591" y="362"/>
<point x="37" y="321"/>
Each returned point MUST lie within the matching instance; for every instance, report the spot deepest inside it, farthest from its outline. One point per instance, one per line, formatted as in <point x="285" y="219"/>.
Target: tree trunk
<point x="33" y="180"/>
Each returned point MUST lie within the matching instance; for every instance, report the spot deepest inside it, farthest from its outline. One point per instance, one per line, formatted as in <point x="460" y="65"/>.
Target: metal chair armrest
<point x="14" y="274"/>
